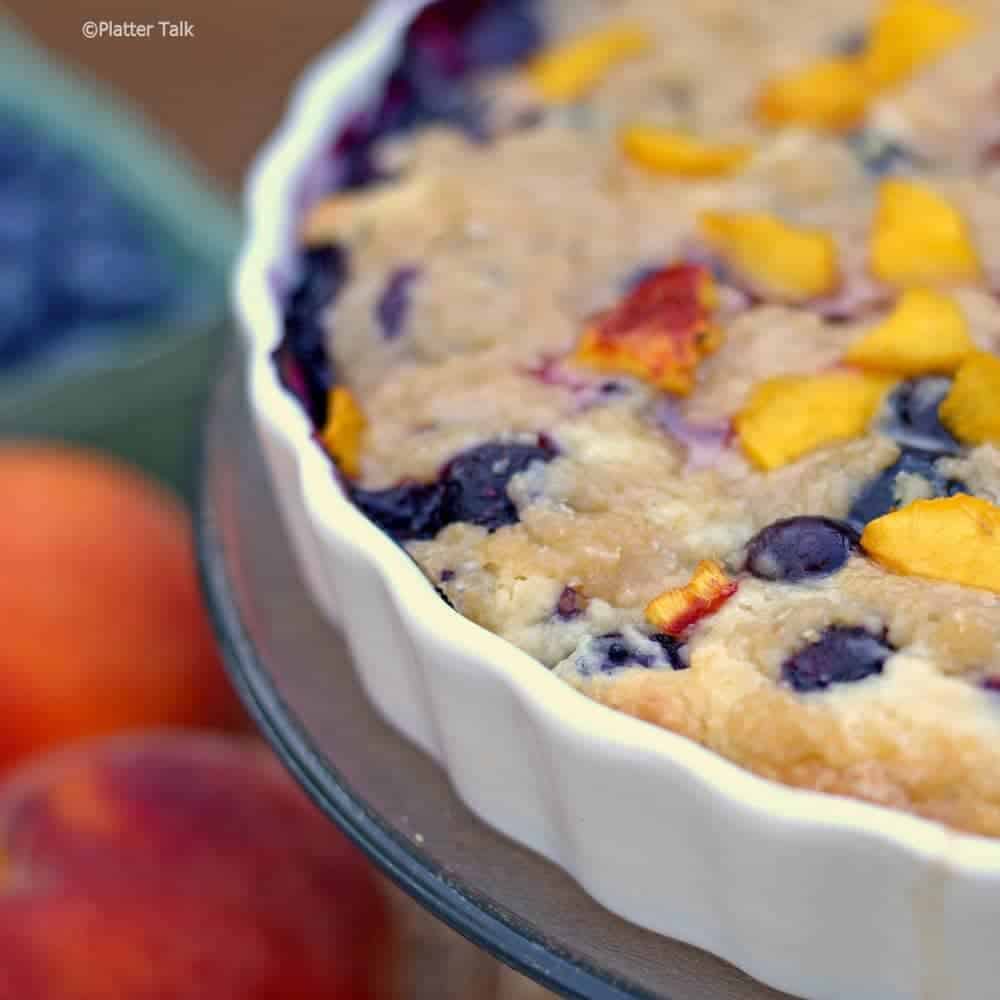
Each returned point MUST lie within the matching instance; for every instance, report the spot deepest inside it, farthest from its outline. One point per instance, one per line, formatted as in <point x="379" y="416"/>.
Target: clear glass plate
<point x="294" y="673"/>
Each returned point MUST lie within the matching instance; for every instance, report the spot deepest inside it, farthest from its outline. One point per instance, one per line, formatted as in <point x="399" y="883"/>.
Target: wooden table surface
<point x="220" y="92"/>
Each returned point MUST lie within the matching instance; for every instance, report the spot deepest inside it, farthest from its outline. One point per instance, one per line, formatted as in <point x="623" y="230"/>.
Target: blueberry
<point x="446" y="44"/>
<point x="502" y="35"/>
<point x="23" y="308"/>
<point x="406" y="512"/>
<point x="472" y="488"/>
<point x="27" y="153"/>
<point x="92" y="210"/>
<point x="799" y="548"/>
<point x="398" y="112"/>
<point x="301" y="358"/>
<point x="25" y="216"/>
<point x="843" y="654"/>
<point x="880" y="154"/>
<point x="476" y="482"/>
<point x="671" y="649"/>
<point x="880" y="495"/>
<point x="434" y="38"/>
<point x="991" y="683"/>
<point x="616" y="653"/>
<point x="110" y="279"/>
<point x="607" y="654"/>
<point x="436" y="66"/>
<point x="911" y="416"/>
<point x="18" y="144"/>
<point x="394" y="303"/>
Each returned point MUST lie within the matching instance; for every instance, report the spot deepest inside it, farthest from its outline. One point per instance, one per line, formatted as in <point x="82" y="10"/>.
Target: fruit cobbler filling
<point x="666" y="339"/>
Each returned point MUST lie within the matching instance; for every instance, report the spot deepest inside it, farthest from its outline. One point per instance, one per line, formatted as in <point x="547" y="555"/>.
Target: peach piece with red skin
<point x="104" y="627"/>
<point x="681" y="608"/>
<point x="180" y="865"/>
<point x="659" y="332"/>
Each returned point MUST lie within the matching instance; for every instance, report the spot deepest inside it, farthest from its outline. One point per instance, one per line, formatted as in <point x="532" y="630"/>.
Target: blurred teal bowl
<point x="140" y="394"/>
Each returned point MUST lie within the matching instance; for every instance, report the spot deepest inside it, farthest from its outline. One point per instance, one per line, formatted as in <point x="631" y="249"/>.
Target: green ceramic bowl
<point x="142" y="394"/>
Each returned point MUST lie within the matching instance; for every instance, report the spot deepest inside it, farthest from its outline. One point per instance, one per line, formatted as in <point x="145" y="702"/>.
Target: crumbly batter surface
<point x="513" y="246"/>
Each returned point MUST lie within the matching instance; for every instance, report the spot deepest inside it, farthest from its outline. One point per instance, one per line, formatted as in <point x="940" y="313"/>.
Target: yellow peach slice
<point x="571" y="70"/>
<point x="919" y="237"/>
<point x="663" y="151"/>
<point x="971" y="410"/>
<point x="787" y="262"/>
<point x="791" y="415"/>
<point x="342" y="434"/>
<point x="926" y="333"/>
<point x="908" y="35"/>
<point x="830" y="94"/>
<point x="956" y="539"/>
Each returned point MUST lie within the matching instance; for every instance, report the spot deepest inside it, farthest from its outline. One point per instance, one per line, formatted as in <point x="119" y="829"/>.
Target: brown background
<point x="219" y="93"/>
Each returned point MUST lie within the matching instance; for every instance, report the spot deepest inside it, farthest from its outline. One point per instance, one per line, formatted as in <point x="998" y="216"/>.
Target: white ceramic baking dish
<point x="820" y="896"/>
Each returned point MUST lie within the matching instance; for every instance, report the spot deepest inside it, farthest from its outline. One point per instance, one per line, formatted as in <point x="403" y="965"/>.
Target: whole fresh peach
<point x="104" y="627"/>
<point x="180" y="866"/>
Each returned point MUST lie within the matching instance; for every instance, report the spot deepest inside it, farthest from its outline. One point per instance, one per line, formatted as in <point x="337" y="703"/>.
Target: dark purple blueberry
<point x="434" y="37"/>
<point x="476" y="482"/>
<point x="472" y="488"/>
<point x="843" y="654"/>
<point x="671" y="649"/>
<point x="991" y="683"/>
<point x="394" y="303"/>
<point x="607" y="654"/>
<point x="880" y="495"/>
<point x="407" y="512"/>
<point x="447" y="574"/>
<point x="399" y="112"/>
<point x="502" y="35"/>
<point x="301" y="357"/>
<point x="880" y="154"/>
<point x="434" y="64"/>
<point x="355" y="158"/>
<point x="615" y="651"/>
<point x="799" y="548"/>
<point x="571" y="604"/>
<point x="911" y="418"/>
<point x="448" y="42"/>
